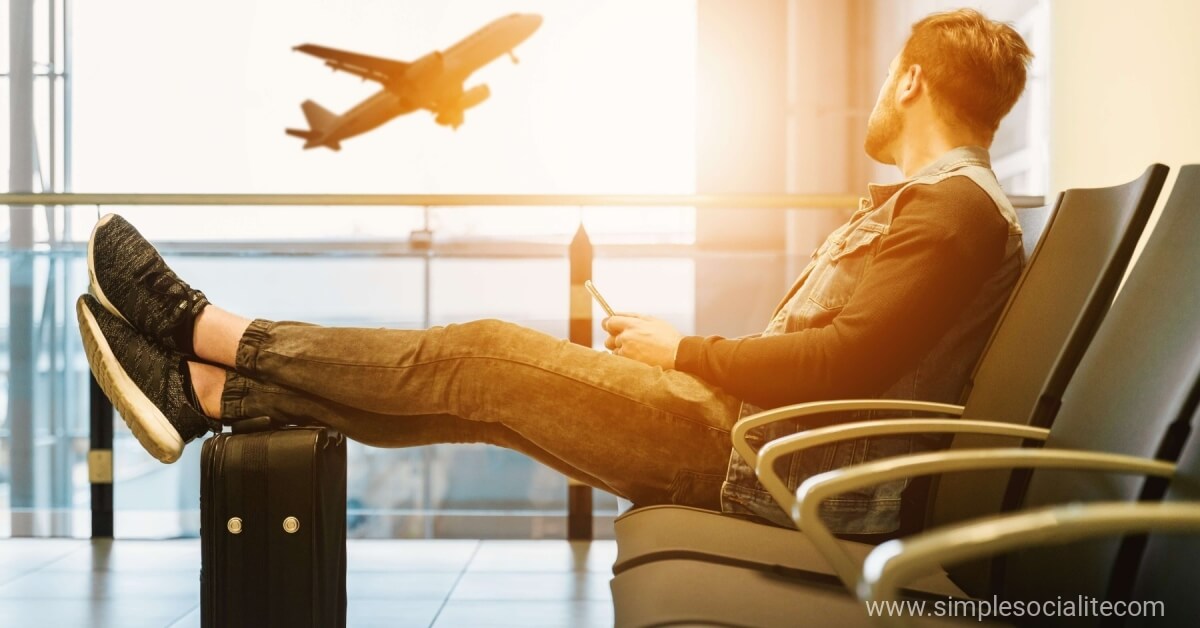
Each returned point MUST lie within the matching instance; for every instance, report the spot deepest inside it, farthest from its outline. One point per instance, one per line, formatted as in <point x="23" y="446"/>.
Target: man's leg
<point x="649" y="435"/>
<point x="636" y="429"/>
<point x="245" y="397"/>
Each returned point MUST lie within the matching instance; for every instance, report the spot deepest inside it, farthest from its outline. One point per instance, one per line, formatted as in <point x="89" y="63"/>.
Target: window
<point x="601" y="102"/>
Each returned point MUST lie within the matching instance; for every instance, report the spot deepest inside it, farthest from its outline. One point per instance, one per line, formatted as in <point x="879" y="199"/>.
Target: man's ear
<point x="910" y="84"/>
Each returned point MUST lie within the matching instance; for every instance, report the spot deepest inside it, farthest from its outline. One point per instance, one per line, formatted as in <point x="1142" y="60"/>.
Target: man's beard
<point x="882" y="130"/>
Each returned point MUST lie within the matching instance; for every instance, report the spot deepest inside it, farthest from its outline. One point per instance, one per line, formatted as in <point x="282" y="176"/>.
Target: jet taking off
<point x="433" y="82"/>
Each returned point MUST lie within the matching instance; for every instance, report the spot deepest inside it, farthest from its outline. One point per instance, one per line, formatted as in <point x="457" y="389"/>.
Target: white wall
<point x="1125" y="89"/>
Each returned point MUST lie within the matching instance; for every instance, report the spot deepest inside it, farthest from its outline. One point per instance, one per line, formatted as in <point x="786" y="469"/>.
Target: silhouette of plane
<point x="433" y="82"/>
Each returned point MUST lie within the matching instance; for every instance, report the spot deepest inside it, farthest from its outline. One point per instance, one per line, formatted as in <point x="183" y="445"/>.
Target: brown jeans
<point x="649" y="435"/>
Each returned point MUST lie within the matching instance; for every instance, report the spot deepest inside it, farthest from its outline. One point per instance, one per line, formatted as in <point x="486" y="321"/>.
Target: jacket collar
<point x="950" y="160"/>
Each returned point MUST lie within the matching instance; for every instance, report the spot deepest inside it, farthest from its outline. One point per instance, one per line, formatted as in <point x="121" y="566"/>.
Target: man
<point x="897" y="303"/>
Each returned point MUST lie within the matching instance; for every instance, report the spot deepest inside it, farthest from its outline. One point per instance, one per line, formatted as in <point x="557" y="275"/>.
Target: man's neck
<point x="917" y="150"/>
<point x="914" y="156"/>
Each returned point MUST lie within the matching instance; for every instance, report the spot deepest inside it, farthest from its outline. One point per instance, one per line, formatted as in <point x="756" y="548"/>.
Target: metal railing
<point x="580" y="252"/>
<point x="700" y="201"/>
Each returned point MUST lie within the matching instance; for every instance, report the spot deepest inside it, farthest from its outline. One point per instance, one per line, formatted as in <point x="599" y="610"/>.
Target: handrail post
<point x="100" y="461"/>
<point x="579" y="495"/>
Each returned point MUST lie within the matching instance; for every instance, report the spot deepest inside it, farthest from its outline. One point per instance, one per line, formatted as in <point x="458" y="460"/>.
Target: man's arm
<point x="945" y="242"/>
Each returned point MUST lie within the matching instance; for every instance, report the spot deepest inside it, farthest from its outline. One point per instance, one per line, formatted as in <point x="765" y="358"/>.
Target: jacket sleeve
<point x="944" y="242"/>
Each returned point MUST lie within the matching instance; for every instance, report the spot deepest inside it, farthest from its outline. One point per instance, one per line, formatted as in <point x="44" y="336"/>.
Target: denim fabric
<point x="817" y="296"/>
<point x="646" y="434"/>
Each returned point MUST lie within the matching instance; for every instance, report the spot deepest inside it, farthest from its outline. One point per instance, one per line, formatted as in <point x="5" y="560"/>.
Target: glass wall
<point x="189" y="99"/>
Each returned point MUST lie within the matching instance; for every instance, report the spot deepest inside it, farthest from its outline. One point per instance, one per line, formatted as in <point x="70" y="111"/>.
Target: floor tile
<point x="99" y="584"/>
<point x="532" y="586"/>
<point x="400" y="585"/>
<point x="406" y="555"/>
<point x="191" y="620"/>
<point x="132" y="556"/>
<point x="545" y="556"/>
<point x="131" y="584"/>
<point x="21" y="556"/>
<point x="364" y="614"/>
<point x="128" y="612"/>
<point x="391" y="613"/>
<point x="16" y="549"/>
<point x="575" y="614"/>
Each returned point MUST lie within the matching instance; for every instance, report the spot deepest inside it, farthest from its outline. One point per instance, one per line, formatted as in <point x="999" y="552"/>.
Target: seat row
<point x="1069" y="478"/>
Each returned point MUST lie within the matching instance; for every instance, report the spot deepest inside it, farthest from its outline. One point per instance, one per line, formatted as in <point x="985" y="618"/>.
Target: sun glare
<point x="601" y="101"/>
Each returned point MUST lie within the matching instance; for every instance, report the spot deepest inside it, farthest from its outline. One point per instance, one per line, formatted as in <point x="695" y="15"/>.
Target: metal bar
<point x="22" y="496"/>
<point x="822" y="201"/>
<point x="36" y="72"/>
<point x="475" y="249"/>
<point x="52" y="99"/>
<point x="67" y="106"/>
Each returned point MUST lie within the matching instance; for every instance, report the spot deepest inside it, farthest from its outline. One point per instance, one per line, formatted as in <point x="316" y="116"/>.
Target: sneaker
<point x="131" y="280"/>
<point x="144" y="381"/>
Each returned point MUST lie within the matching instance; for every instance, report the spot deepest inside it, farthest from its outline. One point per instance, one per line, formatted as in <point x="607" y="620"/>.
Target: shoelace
<point x="152" y="313"/>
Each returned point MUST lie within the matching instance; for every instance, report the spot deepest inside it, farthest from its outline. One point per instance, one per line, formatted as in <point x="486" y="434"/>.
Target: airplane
<point x="433" y="82"/>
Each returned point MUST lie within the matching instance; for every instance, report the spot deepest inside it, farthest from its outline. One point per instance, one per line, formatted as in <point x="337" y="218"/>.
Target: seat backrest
<point x="1162" y="575"/>
<point x="1058" y="302"/>
<point x="1130" y="391"/>
<point x="1033" y="221"/>
<point x="1075" y="268"/>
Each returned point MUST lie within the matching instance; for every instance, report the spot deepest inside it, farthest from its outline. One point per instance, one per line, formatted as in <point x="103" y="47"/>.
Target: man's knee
<point x="488" y="327"/>
<point x="491" y="335"/>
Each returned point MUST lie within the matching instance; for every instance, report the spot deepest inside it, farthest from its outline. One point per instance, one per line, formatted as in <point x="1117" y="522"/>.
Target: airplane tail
<point x="319" y="118"/>
<point x="319" y="121"/>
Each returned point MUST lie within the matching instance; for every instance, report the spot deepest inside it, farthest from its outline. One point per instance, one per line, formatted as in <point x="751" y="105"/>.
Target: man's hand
<point x="642" y="338"/>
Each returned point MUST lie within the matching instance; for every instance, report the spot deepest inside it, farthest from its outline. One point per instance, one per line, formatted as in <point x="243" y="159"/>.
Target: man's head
<point x="958" y="70"/>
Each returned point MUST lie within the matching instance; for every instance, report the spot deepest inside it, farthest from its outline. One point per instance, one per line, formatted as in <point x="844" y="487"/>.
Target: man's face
<point x="883" y="128"/>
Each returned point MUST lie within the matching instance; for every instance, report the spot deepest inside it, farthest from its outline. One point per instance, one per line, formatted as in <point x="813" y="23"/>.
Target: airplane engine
<point x="473" y="96"/>
<point x="452" y="118"/>
<point x="428" y="66"/>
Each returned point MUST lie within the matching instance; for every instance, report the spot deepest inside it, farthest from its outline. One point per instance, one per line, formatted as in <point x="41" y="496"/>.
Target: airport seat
<point x="1132" y="327"/>
<point x="1129" y="411"/>
<point x="1132" y="395"/>
<point x="1076" y="266"/>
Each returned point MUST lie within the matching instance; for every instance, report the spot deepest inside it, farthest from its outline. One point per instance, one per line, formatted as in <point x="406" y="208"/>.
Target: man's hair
<point x="974" y="66"/>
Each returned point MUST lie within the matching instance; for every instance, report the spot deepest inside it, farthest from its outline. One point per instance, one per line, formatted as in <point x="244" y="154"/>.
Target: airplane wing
<point x="365" y="66"/>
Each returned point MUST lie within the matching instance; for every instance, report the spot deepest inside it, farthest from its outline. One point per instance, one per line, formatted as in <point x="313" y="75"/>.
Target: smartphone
<point x="599" y="299"/>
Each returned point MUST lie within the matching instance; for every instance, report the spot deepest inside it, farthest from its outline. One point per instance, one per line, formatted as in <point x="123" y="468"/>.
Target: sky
<point x="194" y="97"/>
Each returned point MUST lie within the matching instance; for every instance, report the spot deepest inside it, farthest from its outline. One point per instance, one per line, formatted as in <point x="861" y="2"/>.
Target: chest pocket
<point x="847" y="261"/>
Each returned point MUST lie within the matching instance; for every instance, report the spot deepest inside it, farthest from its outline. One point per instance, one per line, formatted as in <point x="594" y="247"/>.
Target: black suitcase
<point x="273" y="528"/>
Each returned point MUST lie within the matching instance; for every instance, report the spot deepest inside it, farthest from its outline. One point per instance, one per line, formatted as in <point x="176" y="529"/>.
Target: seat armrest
<point x="743" y="427"/>
<point x="816" y="489"/>
<point x="895" y="563"/>
<point x="795" y="443"/>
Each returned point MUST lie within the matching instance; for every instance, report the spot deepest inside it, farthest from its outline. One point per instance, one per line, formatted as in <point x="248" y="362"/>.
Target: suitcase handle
<point x="256" y="424"/>
<point x="267" y="424"/>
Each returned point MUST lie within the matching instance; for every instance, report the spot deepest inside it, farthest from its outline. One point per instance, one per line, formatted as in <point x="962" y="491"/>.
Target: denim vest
<point x="816" y="298"/>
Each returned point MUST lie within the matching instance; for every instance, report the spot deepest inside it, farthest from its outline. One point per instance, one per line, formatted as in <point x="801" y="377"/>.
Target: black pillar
<point x="579" y="496"/>
<point x="100" y="462"/>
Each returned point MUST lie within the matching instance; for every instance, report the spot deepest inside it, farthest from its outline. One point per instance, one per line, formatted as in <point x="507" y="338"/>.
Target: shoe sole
<point x="145" y="420"/>
<point x="93" y="285"/>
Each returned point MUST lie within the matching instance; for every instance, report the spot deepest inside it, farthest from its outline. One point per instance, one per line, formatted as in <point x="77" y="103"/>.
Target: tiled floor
<point x="131" y="584"/>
